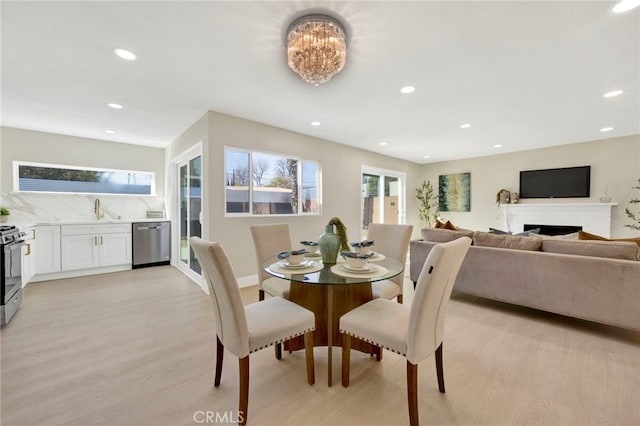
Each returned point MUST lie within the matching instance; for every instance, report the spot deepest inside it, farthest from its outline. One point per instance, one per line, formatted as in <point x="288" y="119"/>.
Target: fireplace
<point x="553" y="229"/>
<point x="594" y="218"/>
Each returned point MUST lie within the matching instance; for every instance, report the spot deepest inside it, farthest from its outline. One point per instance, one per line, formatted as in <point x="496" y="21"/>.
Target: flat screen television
<point x="568" y="182"/>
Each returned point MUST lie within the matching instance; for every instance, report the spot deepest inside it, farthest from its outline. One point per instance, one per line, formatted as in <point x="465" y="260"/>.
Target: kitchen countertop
<point x="26" y="225"/>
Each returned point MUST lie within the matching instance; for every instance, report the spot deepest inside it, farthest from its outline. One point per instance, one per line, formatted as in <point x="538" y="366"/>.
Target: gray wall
<point x="341" y="167"/>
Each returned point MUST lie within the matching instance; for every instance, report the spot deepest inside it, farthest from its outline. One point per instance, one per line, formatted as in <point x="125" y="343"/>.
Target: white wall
<point x="615" y="163"/>
<point x="27" y="145"/>
<point x="341" y="166"/>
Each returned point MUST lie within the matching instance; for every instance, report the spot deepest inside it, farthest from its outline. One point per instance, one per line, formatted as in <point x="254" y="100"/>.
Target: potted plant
<point x="634" y="216"/>
<point x="4" y="214"/>
<point x="427" y="202"/>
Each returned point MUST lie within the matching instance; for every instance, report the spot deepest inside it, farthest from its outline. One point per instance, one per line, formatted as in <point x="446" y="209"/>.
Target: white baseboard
<point x="247" y="281"/>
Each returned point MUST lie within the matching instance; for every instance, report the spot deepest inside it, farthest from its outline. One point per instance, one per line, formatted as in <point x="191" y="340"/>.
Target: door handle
<point x="101" y="243"/>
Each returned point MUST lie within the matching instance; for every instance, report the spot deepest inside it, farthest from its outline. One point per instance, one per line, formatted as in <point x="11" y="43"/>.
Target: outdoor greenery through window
<point x="38" y="177"/>
<point x="268" y="184"/>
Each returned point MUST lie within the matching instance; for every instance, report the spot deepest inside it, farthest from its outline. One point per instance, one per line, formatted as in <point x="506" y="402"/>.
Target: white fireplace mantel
<point x="593" y="217"/>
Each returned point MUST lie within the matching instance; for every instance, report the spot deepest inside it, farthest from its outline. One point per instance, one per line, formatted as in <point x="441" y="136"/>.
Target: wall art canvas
<point x="454" y="192"/>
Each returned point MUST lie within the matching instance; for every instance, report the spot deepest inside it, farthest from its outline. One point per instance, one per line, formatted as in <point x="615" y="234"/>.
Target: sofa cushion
<point x="444" y="235"/>
<point x="611" y="249"/>
<point x="488" y="239"/>
<point x="572" y="236"/>
<point x="587" y="236"/>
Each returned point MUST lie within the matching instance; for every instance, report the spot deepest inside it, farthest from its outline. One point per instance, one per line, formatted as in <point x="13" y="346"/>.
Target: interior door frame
<point x="176" y="162"/>
<point x="402" y="191"/>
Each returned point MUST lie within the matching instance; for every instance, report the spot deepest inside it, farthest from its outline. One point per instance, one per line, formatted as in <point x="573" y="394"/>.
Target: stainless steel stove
<point x="11" y="240"/>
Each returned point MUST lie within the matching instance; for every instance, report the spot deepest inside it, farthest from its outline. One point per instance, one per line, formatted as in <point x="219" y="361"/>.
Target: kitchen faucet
<point x="97" y="209"/>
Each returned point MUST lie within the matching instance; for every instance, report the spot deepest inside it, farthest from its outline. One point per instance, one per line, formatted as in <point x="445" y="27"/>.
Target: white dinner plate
<point x="300" y="265"/>
<point x="364" y="270"/>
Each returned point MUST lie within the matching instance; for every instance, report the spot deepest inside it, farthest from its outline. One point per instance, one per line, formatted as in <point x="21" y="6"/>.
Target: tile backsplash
<point x="26" y="207"/>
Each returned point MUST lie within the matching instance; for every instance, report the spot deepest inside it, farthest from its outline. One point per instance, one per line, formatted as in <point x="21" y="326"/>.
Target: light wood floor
<point x="137" y="348"/>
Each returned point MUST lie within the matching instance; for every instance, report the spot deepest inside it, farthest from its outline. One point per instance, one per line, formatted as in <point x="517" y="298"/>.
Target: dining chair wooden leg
<point x="278" y="348"/>
<point x="346" y="359"/>
<point x="244" y="390"/>
<point x="399" y="299"/>
<point x="308" y="347"/>
<point x="412" y="393"/>
<point x="219" y="358"/>
<point x="379" y="353"/>
<point x="439" y="368"/>
<point x="260" y="295"/>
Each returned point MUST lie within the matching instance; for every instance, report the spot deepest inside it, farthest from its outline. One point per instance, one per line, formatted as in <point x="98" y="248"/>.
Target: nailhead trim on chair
<point x="302" y="333"/>
<point x="372" y="342"/>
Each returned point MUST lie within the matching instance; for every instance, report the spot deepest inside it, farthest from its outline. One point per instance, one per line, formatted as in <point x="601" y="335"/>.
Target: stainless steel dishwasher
<point x="151" y="243"/>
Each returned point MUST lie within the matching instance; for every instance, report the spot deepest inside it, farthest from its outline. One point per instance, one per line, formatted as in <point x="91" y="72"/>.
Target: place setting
<point x="313" y="250"/>
<point x="364" y="247"/>
<point x="294" y="262"/>
<point x="356" y="265"/>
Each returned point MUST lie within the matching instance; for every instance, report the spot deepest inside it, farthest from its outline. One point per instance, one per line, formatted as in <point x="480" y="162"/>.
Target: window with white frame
<point x="56" y="178"/>
<point x="258" y="183"/>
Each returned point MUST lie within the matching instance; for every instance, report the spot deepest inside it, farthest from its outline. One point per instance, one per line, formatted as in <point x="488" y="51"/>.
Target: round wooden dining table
<point x="330" y="291"/>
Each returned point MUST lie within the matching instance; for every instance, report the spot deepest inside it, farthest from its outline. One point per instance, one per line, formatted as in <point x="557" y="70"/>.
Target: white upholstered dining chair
<point x="393" y="241"/>
<point x="414" y="331"/>
<point x="268" y="240"/>
<point x="247" y="329"/>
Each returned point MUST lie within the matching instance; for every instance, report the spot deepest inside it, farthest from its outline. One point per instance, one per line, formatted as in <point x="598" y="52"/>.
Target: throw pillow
<point x="587" y="236"/>
<point x="498" y="231"/>
<point x="519" y="234"/>
<point x="445" y="225"/>
<point x="444" y="235"/>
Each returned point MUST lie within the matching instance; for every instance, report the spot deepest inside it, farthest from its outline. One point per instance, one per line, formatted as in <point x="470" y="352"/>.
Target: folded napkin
<point x="363" y="243"/>
<point x="355" y="254"/>
<point x="284" y="254"/>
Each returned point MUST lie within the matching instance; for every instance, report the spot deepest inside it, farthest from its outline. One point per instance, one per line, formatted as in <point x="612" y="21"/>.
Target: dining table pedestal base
<point x="329" y="303"/>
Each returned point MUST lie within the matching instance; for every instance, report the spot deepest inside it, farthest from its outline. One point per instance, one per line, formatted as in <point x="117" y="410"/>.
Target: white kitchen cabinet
<point x="79" y="252"/>
<point x="29" y="256"/>
<point x="116" y="249"/>
<point x="95" y="246"/>
<point x="47" y="250"/>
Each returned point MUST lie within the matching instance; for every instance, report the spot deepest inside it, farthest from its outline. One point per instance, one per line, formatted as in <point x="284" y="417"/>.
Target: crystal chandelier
<point x="316" y="48"/>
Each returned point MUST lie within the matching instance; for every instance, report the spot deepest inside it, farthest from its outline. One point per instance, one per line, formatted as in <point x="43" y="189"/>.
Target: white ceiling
<point x="524" y="74"/>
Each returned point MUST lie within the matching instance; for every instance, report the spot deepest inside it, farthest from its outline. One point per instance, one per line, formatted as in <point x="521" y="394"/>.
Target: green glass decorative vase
<point x="329" y="244"/>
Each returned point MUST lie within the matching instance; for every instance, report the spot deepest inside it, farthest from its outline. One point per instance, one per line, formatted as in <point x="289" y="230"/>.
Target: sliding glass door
<point x="190" y="209"/>
<point x="188" y="172"/>
<point x="383" y="197"/>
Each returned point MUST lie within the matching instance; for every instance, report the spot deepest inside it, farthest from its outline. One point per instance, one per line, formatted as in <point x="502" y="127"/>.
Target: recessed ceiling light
<point x="465" y="126"/>
<point x="626" y="5"/>
<point x="427" y="156"/>
<point x="497" y="145"/>
<point x="613" y="93"/>
<point x="125" y="54"/>
<point x="384" y="143"/>
<point x="111" y="132"/>
<point x="315" y="123"/>
<point x="606" y="129"/>
<point x="408" y="89"/>
<point x="115" y="106"/>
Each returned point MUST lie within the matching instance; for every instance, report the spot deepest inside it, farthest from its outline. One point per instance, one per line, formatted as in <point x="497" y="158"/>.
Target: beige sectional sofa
<point x="593" y="280"/>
